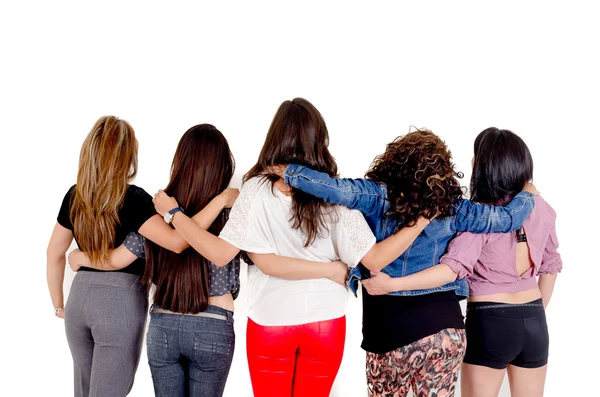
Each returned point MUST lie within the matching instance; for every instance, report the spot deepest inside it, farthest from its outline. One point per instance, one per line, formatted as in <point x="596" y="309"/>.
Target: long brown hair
<point x="107" y="163"/>
<point x="202" y="168"/>
<point x="298" y="134"/>
<point x="420" y="177"/>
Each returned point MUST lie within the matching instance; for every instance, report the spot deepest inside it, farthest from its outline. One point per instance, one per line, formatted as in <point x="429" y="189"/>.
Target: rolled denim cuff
<point x="291" y="171"/>
<point x="352" y="281"/>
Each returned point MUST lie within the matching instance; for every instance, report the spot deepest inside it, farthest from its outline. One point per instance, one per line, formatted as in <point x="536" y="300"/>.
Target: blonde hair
<point x="107" y="163"/>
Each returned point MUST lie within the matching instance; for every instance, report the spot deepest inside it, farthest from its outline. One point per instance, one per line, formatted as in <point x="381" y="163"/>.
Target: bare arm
<point x="546" y="284"/>
<point x="433" y="277"/>
<point x="157" y="231"/>
<point x="119" y="258"/>
<point x="216" y="250"/>
<point x="55" y="265"/>
<point x="299" y="269"/>
<point x="388" y="250"/>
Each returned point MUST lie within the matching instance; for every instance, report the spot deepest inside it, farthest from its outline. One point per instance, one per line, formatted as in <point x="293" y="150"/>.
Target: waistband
<point x="110" y="279"/>
<point x="507" y="309"/>
<point x="211" y="311"/>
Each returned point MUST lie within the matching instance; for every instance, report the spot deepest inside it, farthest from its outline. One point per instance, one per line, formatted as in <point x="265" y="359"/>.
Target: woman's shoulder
<point x="255" y="187"/>
<point x="542" y="213"/>
<point x="136" y="193"/>
<point x="136" y="190"/>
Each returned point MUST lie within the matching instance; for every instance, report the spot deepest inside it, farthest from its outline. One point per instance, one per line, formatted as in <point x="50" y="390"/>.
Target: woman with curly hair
<point x="412" y="338"/>
<point x="501" y="269"/>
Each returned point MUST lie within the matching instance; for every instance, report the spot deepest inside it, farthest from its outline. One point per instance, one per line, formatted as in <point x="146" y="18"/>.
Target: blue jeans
<point x="190" y="355"/>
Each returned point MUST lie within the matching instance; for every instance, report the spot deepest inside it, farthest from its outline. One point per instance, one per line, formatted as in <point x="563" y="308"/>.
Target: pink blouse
<point x="489" y="260"/>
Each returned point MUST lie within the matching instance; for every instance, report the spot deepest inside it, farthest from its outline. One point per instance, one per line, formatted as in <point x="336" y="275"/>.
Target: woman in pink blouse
<point x="506" y="322"/>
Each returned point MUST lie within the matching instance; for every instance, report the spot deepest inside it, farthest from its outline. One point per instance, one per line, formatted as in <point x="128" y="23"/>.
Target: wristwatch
<point x="169" y="215"/>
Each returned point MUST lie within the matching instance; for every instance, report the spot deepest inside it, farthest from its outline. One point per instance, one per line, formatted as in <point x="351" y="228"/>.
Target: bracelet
<point x="57" y="310"/>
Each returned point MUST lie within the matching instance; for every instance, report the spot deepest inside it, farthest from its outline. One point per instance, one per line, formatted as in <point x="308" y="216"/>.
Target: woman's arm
<point x="458" y="262"/>
<point x="551" y="265"/>
<point x="388" y="250"/>
<point x="546" y="285"/>
<point x="156" y="230"/>
<point x="299" y="269"/>
<point x="55" y="264"/>
<point x="119" y="258"/>
<point x="216" y="250"/>
<point x="360" y="194"/>
<point x="433" y="277"/>
<point x="479" y="218"/>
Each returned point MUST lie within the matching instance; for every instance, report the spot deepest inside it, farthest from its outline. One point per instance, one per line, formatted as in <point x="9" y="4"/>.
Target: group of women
<point x="404" y="231"/>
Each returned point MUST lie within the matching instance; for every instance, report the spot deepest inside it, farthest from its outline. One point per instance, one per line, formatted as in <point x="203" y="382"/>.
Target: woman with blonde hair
<point x="106" y="311"/>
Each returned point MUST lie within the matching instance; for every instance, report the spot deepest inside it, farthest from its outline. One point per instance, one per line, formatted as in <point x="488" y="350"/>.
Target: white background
<point x="372" y="69"/>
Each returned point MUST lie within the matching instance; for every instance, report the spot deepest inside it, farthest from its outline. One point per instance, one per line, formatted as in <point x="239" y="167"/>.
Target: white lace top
<point x="260" y="222"/>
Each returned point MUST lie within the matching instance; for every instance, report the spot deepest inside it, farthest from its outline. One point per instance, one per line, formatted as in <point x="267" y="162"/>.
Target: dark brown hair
<point x="420" y="178"/>
<point x="298" y="135"/>
<point x="202" y="168"/>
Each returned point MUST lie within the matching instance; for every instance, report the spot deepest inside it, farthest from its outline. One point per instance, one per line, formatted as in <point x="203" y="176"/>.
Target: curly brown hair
<point x="420" y="178"/>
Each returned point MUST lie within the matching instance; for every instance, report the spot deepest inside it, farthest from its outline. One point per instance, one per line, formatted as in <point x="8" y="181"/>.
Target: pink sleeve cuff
<point x="457" y="267"/>
<point x="551" y="268"/>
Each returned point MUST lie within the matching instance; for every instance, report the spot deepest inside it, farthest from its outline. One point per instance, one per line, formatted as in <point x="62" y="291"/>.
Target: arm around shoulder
<point x="364" y="195"/>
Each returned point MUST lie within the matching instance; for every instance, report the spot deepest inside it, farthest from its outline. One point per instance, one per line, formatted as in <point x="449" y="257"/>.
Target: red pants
<point x="295" y="361"/>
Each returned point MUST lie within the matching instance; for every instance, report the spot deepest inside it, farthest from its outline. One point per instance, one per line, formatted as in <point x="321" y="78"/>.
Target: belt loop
<point x="229" y="318"/>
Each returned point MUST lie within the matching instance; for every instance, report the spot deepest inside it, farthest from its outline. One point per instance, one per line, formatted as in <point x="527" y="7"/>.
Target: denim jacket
<point x="370" y="198"/>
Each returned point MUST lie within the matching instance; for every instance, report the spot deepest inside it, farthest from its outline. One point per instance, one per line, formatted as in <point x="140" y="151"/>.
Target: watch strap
<point x="175" y="210"/>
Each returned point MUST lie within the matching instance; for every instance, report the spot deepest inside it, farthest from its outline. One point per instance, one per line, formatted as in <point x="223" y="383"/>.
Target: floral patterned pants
<point x="430" y="366"/>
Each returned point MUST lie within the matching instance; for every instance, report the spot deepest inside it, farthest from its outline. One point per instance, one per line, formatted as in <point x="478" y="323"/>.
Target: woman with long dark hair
<point x="412" y="338"/>
<point x="106" y="311"/>
<point x="296" y="325"/>
<point x="506" y="323"/>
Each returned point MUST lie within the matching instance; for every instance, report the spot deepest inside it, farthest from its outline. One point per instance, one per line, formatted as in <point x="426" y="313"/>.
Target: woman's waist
<point x="298" y="306"/>
<point x="212" y="311"/>
<point x="482" y="289"/>
<point x="223" y="301"/>
<point x="116" y="279"/>
<point x="517" y="297"/>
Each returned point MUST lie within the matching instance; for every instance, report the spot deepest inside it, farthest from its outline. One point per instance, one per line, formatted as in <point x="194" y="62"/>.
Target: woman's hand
<point x="61" y="314"/>
<point x="378" y="284"/>
<point x="529" y="187"/>
<point x="339" y="272"/>
<point x="228" y="196"/>
<point x="278" y="170"/>
<point x="76" y="259"/>
<point x="164" y="203"/>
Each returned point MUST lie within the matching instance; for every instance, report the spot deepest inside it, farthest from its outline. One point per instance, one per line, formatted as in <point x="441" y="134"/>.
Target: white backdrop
<point x="372" y="69"/>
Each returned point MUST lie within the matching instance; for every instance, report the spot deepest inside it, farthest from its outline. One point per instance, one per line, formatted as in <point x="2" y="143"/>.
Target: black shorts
<point x="499" y="334"/>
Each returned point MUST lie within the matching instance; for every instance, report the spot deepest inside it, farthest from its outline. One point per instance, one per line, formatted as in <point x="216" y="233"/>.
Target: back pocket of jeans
<point x="213" y="350"/>
<point x="156" y="344"/>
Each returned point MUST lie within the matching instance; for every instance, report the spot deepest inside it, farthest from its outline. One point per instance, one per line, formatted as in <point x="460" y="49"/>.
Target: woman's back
<point x="135" y="209"/>
<point x="260" y="223"/>
<point x="498" y="263"/>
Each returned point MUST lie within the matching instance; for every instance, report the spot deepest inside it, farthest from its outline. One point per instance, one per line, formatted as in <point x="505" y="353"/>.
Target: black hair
<point x="503" y="164"/>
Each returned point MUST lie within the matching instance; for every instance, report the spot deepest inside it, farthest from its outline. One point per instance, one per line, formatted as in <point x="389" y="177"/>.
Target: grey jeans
<point x="105" y="317"/>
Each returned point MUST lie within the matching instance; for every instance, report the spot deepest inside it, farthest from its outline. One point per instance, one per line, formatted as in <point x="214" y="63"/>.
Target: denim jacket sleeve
<point x="479" y="218"/>
<point x="359" y="194"/>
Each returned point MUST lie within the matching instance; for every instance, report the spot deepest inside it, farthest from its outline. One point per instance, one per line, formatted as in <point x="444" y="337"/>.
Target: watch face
<point x="168" y="217"/>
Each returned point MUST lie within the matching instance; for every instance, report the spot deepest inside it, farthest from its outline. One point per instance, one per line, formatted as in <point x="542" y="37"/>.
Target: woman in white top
<point x="296" y="325"/>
